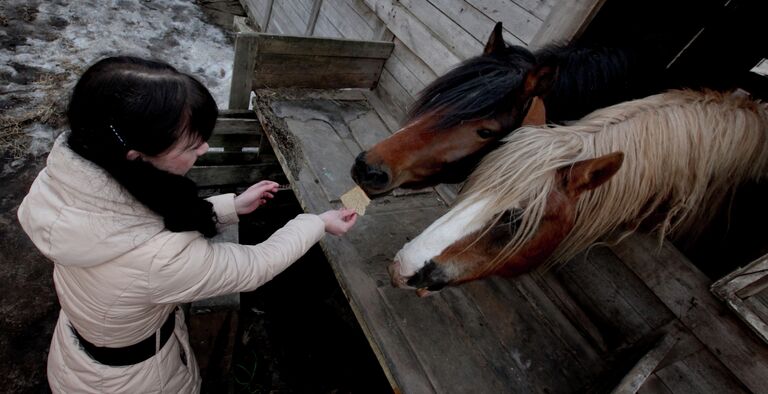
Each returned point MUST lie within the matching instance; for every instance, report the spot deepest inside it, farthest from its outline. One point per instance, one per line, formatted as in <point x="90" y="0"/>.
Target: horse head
<point x="473" y="239"/>
<point x="461" y="116"/>
<point x="458" y="119"/>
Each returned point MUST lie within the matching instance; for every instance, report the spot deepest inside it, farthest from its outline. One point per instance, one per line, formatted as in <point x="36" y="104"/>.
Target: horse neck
<point x="690" y="157"/>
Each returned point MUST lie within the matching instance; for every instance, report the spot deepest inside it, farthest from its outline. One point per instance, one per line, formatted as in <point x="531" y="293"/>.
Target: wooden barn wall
<point x="430" y="36"/>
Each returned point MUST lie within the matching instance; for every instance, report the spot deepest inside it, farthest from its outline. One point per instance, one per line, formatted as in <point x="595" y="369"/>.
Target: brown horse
<point x="548" y="193"/>
<point x="463" y="115"/>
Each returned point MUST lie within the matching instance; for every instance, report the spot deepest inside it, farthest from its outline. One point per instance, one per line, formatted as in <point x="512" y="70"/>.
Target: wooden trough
<point x="627" y="318"/>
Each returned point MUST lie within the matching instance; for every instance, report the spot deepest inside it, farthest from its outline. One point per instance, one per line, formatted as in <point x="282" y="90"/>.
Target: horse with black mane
<point x="463" y="115"/>
<point x="666" y="162"/>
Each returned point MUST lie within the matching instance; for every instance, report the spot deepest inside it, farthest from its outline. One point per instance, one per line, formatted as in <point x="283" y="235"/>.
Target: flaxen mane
<point x="685" y="152"/>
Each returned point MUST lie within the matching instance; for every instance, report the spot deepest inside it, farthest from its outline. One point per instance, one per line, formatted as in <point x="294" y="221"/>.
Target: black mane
<point x="587" y="79"/>
<point x="475" y="88"/>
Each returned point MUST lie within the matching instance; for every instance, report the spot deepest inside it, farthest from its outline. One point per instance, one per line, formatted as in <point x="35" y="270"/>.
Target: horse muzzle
<point x="413" y="282"/>
<point x="372" y="178"/>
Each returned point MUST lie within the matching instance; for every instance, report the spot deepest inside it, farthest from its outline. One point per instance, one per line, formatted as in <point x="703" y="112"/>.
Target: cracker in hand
<point x="356" y="199"/>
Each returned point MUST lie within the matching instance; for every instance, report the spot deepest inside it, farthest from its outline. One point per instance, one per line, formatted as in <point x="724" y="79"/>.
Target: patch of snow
<point x="62" y="38"/>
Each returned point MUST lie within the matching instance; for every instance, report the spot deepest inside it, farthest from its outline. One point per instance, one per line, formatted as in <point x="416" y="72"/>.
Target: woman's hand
<point x="339" y="221"/>
<point x="255" y="196"/>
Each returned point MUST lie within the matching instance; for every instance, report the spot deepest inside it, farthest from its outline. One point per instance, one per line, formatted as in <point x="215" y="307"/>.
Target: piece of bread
<point x="356" y="199"/>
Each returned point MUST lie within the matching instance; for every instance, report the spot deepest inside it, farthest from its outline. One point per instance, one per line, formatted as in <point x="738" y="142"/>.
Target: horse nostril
<point x="368" y="176"/>
<point x="430" y="276"/>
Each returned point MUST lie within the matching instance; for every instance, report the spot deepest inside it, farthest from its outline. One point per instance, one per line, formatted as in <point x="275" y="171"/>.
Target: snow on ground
<point x="45" y="46"/>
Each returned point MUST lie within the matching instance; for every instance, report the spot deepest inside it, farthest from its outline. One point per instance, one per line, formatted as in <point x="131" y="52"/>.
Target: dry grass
<point x="14" y="140"/>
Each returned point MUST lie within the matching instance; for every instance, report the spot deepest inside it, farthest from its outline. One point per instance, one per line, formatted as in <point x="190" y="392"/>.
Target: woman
<point x="127" y="232"/>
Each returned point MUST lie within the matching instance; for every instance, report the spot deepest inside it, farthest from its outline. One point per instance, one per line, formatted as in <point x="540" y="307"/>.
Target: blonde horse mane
<point x="684" y="153"/>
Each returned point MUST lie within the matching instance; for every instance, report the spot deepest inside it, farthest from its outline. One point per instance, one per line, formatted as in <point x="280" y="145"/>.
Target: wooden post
<point x="566" y="21"/>
<point x="313" y="17"/>
<point x="242" y="70"/>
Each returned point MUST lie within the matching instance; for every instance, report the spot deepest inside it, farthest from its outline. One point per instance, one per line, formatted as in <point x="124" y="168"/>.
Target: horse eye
<point x="485" y="133"/>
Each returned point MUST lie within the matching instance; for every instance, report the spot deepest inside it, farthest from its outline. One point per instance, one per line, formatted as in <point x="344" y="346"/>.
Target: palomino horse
<point x="547" y="193"/>
<point x="463" y="115"/>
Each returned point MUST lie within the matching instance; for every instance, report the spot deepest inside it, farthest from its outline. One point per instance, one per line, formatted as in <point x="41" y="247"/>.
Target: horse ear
<point x="539" y="80"/>
<point x="589" y="174"/>
<point x="495" y="42"/>
<point x="537" y="114"/>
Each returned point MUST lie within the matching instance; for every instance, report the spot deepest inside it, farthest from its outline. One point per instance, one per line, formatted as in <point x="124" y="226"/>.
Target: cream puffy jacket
<point x="119" y="273"/>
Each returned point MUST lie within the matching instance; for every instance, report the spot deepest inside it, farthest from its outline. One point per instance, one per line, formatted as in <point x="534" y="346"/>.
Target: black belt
<point x="129" y="355"/>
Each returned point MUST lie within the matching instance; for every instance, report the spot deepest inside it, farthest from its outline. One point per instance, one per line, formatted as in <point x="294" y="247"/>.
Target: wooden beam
<point x="242" y="70"/>
<point x="209" y="176"/>
<point x="297" y="45"/>
<point x="737" y="289"/>
<point x="566" y="21"/>
<point x="313" y="17"/>
<point x="647" y="364"/>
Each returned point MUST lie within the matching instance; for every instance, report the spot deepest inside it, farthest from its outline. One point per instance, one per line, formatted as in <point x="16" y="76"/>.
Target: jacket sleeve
<point x="194" y="268"/>
<point x="224" y="208"/>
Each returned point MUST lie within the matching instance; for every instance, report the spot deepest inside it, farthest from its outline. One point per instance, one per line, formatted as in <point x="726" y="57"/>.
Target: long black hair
<point x="128" y="103"/>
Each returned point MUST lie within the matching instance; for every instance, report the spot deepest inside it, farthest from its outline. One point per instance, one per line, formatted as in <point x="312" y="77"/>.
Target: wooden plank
<point x="685" y="291"/>
<point x="427" y="324"/>
<point x="222" y="158"/>
<point x="325" y="28"/>
<point x="391" y="115"/>
<point x="623" y="309"/>
<point x="246" y="46"/>
<point x="476" y="23"/>
<point x="314" y="71"/>
<point x="285" y="15"/>
<point x="349" y="23"/>
<point x="549" y="353"/>
<point x="654" y="385"/>
<point x="209" y="176"/>
<point x="229" y="126"/>
<point x="700" y="373"/>
<point x="413" y="63"/>
<point x="271" y="63"/>
<point x="453" y="36"/>
<point x="374" y="23"/>
<point x="296" y="45"/>
<point x="539" y="8"/>
<point x="226" y="114"/>
<point x="391" y="91"/>
<point x="414" y="35"/>
<point x="739" y="287"/>
<point x="517" y="20"/>
<point x="566" y="21"/>
<point x="368" y="129"/>
<point x="234" y="142"/>
<point x="322" y="126"/>
<point x="322" y="81"/>
<point x="313" y="17"/>
<point x="640" y="372"/>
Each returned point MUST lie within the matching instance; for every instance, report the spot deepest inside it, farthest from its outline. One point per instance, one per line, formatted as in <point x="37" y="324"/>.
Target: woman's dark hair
<point x="127" y="103"/>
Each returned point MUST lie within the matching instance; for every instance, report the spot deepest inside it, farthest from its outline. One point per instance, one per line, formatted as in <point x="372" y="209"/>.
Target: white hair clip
<point x="120" y="138"/>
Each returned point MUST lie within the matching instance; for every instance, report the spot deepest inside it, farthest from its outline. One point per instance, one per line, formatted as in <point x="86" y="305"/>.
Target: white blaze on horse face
<point x="449" y="228"/>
